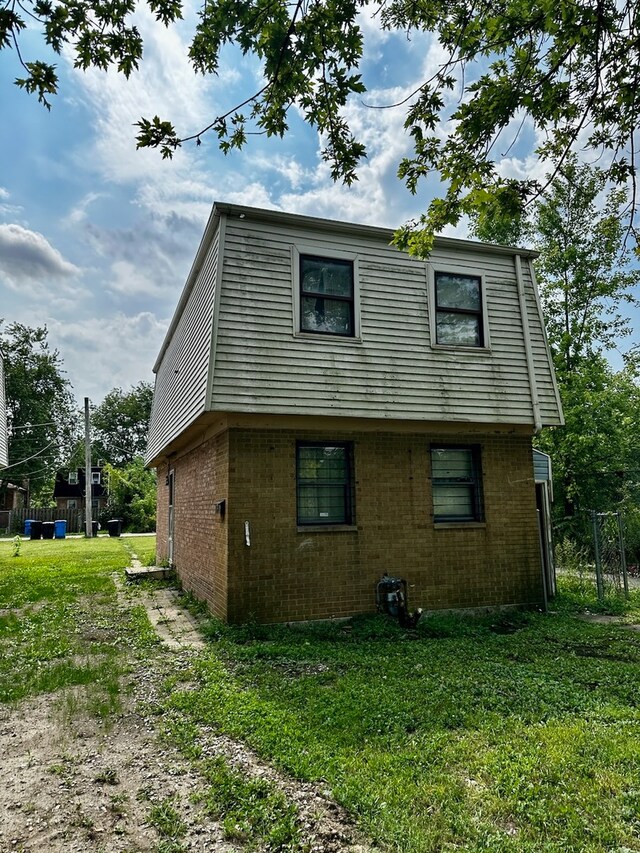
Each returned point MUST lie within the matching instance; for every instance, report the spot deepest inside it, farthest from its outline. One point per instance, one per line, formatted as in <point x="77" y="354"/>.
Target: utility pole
<point x="88" y="488"/>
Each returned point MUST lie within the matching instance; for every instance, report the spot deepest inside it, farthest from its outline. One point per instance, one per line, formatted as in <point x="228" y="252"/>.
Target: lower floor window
<point x="324" y="483"/>
<point x="456" y="483"/>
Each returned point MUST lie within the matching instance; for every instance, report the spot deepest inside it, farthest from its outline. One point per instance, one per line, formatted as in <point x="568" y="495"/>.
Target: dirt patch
<point x="72" y="784"/>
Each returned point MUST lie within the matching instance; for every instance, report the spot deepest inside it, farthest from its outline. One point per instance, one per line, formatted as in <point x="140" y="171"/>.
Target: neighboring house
<point x="4" y="441"/>
<point x="69" y="490"/>
<point x="328" y="409"/>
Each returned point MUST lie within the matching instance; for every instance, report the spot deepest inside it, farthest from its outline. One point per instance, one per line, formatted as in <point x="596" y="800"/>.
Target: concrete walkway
<point x="173" y="624"/>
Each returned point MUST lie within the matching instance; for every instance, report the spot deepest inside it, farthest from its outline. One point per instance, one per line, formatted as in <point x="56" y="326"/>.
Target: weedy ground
<point x="517" y="733"/>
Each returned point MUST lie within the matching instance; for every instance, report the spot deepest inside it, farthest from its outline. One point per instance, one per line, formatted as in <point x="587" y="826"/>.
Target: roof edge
<point x="272" y="215"/>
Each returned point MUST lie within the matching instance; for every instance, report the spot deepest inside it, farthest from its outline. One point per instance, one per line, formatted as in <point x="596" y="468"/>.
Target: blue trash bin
<point x="60" y="528"/>
<point x="27" y="526"/>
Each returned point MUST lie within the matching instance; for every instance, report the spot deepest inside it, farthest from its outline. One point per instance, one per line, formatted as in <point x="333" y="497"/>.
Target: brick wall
<point x="289" y="574"/>
<point x="200" y="536"/>
<point x="162" y="514"/>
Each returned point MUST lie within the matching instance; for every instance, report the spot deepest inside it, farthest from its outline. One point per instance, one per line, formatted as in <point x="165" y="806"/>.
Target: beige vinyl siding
<point x="4" y="445"/>
<point x="394" y="371"/>
<point x="181" y="379"/>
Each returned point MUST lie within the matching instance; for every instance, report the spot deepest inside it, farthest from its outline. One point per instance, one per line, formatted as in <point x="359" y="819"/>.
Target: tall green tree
<point x="569" y="71"/>
<point x="121" y="423"/>
<point x="587" y="286"/>
<point x="132" y="495"/>
<point x="587" y="281"/>
<point x="41" y="409"/>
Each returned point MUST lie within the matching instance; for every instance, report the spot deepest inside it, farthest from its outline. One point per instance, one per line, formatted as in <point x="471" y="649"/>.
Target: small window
<point x="459" y="310"/>
<point x="73" y="478"/>
<point x="456" y="484"/>
<point x="326" y="296"/>
<point x="95" y="504"/>
<point x="324" y="483"/>
<point x="72" y="504"/>
<point x="95" y="478"/>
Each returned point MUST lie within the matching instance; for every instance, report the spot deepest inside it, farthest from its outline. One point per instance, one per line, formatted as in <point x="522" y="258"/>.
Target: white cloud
<point x="105" y="352"/>
<point x="78" y="214"/>
<point x="28" y="259"/>
<point x="131" y="279"/>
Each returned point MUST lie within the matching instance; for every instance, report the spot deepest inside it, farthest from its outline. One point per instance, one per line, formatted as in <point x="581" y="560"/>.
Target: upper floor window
<point x="327" y="296"/>
<point x="458" y="303"/>
<point x="73" y="478"/>
<point x="95" y="478"/>
<point x="324" y="483"/>
<point x="456" y="484"/>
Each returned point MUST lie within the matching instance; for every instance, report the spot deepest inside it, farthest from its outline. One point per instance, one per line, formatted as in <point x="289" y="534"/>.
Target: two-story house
<point x="70" y="490"/>
<point x="328" y="409"/>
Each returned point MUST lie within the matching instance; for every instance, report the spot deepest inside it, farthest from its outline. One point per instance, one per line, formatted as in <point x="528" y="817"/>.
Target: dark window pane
<point x="458" y="329"/>
<point x="453" y="501"/>
<point x="456" y="484"/>
<point x="452" y="463"/>
<point x="458" y="291"/>
<point x="324" y="485"/>
<point x="330" y="277"/>
<point x="326" y="315"/>
<point x="323" y="504"/>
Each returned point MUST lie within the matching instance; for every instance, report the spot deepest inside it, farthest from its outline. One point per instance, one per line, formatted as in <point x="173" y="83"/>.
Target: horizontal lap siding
<point x="262" y="367"/>
<point x="181" y="380"/>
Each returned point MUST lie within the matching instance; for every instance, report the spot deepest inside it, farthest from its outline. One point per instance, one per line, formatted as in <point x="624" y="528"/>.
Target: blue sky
<point x="96" y="238"/>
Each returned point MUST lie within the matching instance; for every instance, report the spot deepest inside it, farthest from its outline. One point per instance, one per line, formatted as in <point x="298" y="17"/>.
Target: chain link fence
<point x="609" y="554"/>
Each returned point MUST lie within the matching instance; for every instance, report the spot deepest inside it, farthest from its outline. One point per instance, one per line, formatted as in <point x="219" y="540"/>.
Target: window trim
<point x="477" y="495"/>
<point x="72" y="503"/>
<point x="72" y="479"/>
<point x="303" y="250"/>
<point x="95" y="478"/>
<point x="453" y="269"/>
<point x="349" y="519"/>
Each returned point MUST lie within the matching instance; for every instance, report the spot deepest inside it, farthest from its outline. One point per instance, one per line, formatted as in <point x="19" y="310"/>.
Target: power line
<point x="22" y="461"/>
<point x="29" y="426"/>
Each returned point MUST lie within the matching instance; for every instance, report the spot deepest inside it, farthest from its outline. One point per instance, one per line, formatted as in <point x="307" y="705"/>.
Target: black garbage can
<point x="48" y="529"/>
<point x="94" y="528"/>
<point x="36" y="529"/>
<point x="114" y="526"/>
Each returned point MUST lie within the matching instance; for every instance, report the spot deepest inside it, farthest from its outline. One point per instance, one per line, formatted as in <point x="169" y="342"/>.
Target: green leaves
<point x="42" y="79"/>
<point x="567" y="70"/>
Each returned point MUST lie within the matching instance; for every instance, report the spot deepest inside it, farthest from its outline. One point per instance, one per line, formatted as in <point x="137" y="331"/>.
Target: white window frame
<point x="95" y="478"/>
<point x="456" y="269"/>
<point x="330" y="254"/>
<point x="72" y="503"/>
<point x="73" y="478"/>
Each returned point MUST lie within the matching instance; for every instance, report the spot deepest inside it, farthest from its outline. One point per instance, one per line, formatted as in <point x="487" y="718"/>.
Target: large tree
<point x="587" y="286"/>
<point x="121" y="423"/>
<point x="571" y="68"/>
<point x="41" y="411"/>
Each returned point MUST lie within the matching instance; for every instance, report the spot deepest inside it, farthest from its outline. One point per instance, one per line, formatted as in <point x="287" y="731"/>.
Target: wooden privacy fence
<point x="12" y="521"/>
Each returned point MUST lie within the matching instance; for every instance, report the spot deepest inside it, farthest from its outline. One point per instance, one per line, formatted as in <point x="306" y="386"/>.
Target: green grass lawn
<point x="144" y="547"/>
<point x="517" y="734"/>
<point x="499" y="734"/>
<point x="57" y="607"/>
